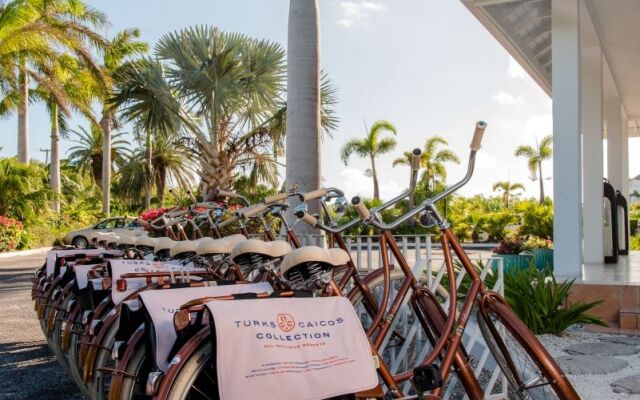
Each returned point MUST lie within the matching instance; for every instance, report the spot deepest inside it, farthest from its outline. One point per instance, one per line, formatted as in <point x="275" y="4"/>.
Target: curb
<point x="23" y="253"/>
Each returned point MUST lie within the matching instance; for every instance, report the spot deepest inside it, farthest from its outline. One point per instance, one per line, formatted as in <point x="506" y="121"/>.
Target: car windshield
<point x="107" y="224"/>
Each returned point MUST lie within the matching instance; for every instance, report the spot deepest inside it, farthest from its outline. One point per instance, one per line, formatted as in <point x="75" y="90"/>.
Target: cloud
<point x="516" y="71"/>
<point x="358" y="12"/>
<point x="507" y="99"/>
<point x="356" y="183"/>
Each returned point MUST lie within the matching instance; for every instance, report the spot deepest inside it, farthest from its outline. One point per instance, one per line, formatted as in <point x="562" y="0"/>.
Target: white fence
<point x="425" y="261"/>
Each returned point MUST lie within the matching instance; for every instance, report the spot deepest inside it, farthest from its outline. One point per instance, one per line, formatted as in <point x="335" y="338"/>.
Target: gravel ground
<point x="593" y="387"/>
<point x="28" y="369"/>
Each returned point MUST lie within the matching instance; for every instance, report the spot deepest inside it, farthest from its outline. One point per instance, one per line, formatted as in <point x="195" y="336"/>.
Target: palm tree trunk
<point x="541" y="183"/>
<point x="54" y="168"/>
<point x="105" y="124"/>
<point x="303" y="141"/>
<point x="161" y="181"/>
<point x="374" y="175"/>
<point x="147" y="192"/>
<point x="23" y="116"/>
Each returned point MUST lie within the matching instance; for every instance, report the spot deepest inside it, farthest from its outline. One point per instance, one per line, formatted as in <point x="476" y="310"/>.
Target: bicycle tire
<point x="521" y="346"/>
<point x="133" y="388"/>
<point x="100" y="382"/>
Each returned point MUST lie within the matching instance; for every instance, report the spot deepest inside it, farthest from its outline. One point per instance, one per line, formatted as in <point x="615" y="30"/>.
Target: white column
<point x="624" y="155"/>
<point x="567" y="174"/>
<point x="613" y="115"/>
<point x="592" y="155"/>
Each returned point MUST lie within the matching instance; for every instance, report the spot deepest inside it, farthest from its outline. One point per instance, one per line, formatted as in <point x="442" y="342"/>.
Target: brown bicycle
<point x="529" y="369"/>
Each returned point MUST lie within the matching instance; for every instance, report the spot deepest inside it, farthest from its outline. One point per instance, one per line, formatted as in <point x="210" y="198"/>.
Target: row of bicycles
<point x="241" y="314"/>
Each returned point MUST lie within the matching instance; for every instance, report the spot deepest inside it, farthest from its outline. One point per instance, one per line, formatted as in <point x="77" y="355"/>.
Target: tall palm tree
<point x="87" y="154"/>
<point x="371" y="146"/>
<point x="120" y="51"/>
<point x="433" y="161"/>
<point x="170" y="161"/>
<point x="303" y="143"/>
<point x="78" y="87"/>
<point x="507" y="189"/>
<point x="535" y="156"/>
<point x="33" y="32"/>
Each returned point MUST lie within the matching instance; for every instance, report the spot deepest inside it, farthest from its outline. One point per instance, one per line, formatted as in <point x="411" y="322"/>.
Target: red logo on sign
<point x="286" y="322"/>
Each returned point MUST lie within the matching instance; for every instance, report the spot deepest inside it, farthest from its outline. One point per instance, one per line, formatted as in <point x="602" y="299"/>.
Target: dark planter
<point x="544" y="258"/>
<point x="516" y="261"/>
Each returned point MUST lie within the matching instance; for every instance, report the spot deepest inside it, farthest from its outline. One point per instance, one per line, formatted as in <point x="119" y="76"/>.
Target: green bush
<point x="635" y="242"/>
<point x="540" y="302"/>
<point x="495" y="224"/>
<point x="535" y="218"/>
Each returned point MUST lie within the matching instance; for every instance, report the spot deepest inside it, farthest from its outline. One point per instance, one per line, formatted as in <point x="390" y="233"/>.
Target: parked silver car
<point x="79" y="238"/>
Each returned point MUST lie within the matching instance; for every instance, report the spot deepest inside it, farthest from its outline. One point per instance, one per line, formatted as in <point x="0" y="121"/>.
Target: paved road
<point x="28" y="369"/>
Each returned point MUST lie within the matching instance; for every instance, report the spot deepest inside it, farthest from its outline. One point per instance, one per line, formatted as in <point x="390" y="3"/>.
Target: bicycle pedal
<point x="426" y="377"/>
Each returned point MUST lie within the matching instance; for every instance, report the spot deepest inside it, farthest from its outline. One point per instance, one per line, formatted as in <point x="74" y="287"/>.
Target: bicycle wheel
<point x="529" y="369"/>
<point x="138" y="366"/>
<point x="99" y="385"/>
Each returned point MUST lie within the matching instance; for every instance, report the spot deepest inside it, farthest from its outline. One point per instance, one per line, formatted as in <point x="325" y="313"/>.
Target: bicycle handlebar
<point x="308" y="218"/>
<point x="375" y="221"/>
<point x="314" y="194"/>
<point x="477" y="135"/>
<point x="274" y="198"/>
<point x="362" y="210"/>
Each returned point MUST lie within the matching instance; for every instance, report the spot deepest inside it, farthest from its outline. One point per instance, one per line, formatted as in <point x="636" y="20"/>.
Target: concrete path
<point x="28" y="369"/>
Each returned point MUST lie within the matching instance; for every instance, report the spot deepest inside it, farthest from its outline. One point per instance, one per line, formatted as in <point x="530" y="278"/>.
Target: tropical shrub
<point x="24" y="194"/>
<point x="509" y="247"/>
<point x="541" y="302"/>
<point x="535" y="218"/>
<point x="152" y="213"/>
<point x="635" y="242"/>
<point x="495" y="224"/>
<point x="535" y="242"/>
<point x="12" y="234"/>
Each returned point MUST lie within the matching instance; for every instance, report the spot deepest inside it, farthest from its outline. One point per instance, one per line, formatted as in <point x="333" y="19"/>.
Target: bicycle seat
<point x="275" y="249"/>
<point x="126" y="240"/>
<point x="186" y="246"/>
<point x="146" y="241"/>
<point x="163" y="243"/>
<point x="219" y="246"/>
<point x="313" y="254"/>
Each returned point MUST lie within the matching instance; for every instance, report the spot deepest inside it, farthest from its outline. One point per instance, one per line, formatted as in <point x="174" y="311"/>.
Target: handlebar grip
<point x="226" y="193"/>
<point x="477" y="135"/>
<point x="251" y="211"/>
<point x="228" y="222"/>
<point x="314" y="194"/>
<point x="363" y="211"/>
<point x="274" y="198"/>
<point x="308" y="218"/>
<point x="416" y="158"/>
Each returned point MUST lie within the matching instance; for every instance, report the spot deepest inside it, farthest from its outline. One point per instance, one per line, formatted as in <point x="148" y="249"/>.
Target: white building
<point x="586" y="55"/>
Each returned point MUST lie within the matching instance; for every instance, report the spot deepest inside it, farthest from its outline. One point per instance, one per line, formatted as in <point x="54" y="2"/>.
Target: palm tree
<point x="78" y="87"/>
<point x="432" y="160"/>
<point x="87" y="154"/>
<point x="535" y="156"/>
<point x="507" y="190"/>
<point x="170" y="161"/>
<point x="303" y="146"/>
<point x="371" y="146"/>
<point x="119" y="52"/>
<point x="33" y="32"/>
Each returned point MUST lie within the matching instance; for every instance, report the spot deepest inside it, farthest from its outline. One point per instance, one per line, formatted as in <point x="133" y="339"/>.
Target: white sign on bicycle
<point x="306" y="349"/>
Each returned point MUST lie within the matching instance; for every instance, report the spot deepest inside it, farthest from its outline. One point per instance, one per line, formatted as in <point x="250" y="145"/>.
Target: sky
<point x="429" y="67"/>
